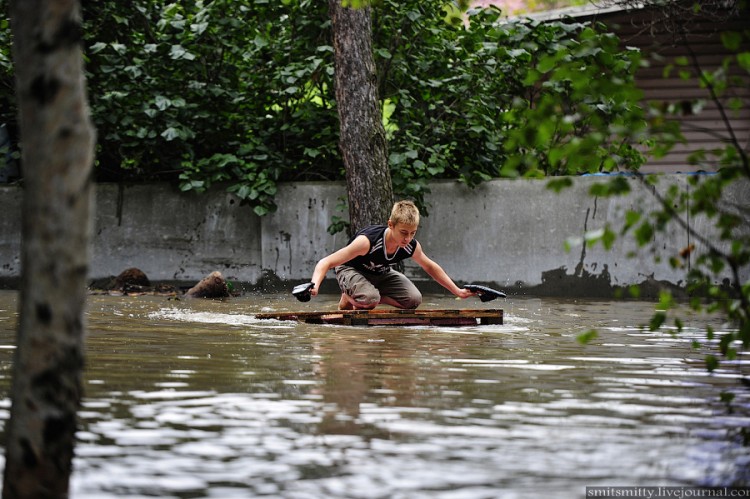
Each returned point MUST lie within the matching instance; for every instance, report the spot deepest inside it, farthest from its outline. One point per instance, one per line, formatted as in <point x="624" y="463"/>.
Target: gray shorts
<point x="368" y="289"/>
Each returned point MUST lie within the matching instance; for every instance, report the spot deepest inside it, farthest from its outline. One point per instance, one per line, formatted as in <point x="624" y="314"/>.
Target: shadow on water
<point x="201" y="399"/>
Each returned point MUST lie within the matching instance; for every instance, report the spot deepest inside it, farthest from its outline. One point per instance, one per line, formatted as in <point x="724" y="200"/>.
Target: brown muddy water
<point x="198" y="398"/>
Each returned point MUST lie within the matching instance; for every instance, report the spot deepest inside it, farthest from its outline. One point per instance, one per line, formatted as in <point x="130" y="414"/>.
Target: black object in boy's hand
<point x="485" y="293"/>
<point x="302" y="291"/>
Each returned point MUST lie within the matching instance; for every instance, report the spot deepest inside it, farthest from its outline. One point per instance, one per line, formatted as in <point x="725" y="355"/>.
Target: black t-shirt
<point x="376" y="261"/>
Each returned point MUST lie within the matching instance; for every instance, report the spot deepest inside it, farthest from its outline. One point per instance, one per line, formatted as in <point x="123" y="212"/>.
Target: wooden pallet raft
<point x="394" y="317"/>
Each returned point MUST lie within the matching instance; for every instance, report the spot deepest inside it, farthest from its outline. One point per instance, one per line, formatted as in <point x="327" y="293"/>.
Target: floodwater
<point x="199" y="398"/>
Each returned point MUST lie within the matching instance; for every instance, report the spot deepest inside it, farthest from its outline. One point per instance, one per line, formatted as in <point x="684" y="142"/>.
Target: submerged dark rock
<point x="131" y="281"/>
<point x="212" y="286"/>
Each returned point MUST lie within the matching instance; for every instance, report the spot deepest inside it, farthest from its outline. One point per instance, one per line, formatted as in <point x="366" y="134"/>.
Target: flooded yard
<point x="188" y="399"/>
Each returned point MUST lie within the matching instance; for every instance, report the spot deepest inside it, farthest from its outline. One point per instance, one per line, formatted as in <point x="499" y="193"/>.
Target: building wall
<point x="706" y="123"/>
<point x="509" y="234"/>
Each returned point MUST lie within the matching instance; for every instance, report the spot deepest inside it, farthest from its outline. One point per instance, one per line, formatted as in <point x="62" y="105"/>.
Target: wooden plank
<point x="393" y="317"/>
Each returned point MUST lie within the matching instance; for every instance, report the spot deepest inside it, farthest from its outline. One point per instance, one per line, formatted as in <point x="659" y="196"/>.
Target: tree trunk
<point x="57" y="143"/>
<point x="362" y="136"/>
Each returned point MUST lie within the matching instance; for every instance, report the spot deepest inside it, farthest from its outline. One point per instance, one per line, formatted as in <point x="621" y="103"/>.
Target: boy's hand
<point x="303" y="291"/>
<point x="485" y="293"/>
<point x="464" y="293"/>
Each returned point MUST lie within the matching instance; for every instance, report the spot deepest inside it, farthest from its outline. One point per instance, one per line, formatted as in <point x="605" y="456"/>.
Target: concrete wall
<point x="508" y="233"/>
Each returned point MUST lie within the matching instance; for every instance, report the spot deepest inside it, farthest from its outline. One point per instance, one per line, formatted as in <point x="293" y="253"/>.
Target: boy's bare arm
<point x="435" y="271"/>
<point x="359" y="246"/>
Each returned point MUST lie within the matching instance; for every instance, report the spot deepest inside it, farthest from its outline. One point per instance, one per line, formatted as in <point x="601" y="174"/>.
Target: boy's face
<point x="402" y="233"/>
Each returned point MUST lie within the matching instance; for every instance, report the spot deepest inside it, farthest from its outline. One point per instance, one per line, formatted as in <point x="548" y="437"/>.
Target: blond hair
<point x="405" y="212"/>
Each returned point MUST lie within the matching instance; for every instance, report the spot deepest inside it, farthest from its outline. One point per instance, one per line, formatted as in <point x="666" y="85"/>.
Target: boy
<point x="363" y="267"/>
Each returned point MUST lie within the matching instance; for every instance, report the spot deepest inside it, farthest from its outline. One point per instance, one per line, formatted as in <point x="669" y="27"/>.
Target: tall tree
<point x="362" y="136"/>
<point x="57" y="156"/>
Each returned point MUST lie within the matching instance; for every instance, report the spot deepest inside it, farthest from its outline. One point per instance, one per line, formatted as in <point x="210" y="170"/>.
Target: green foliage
<point x="501" y="99"/>
<point x="221" y="91"/>
<point x="605" y="235"/>
<point x="558" y="184"/>
<point x="582" y="113"/>
<point x="7" y="82"/>
<point x="722" y="247"/>
<point x="587" y="337"/>
<point x="239" y="92"/>
<point x="235" y="92"/>
<point x="339" y="224"/>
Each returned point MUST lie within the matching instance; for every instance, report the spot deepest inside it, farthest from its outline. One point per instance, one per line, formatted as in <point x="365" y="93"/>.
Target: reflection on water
<point x="199" y="399"/>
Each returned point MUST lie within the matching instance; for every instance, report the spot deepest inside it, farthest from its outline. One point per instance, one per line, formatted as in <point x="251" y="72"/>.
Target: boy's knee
<point x="413" y="301"/>
<point x="368" y="300"/>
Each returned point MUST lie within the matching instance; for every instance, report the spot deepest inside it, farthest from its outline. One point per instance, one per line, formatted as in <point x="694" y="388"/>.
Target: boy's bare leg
<point x="344" y="303"/>
<point x="348" y="303"/>
<point x="398" y="291"/>
<point x="390" y="301"/>
<point x="358" y="292"/>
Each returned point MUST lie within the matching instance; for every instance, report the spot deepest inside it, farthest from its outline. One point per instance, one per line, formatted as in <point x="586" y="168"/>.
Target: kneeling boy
<point x="363" y="267"/>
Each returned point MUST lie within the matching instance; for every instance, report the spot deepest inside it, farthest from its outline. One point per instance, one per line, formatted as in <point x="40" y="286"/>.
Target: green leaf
<point x="711" y="363"/>
<point x="97" y="47"/>
<point x="657" y="320"/>
<point x="731" y="40"/>
<point x="383" y="53"/>
<point x="726" y="397"/>
<point x="170" y="134"/>
<point x="725" y="348"/>
<point x="743" y="59"/>
<point x="162" y="102"/>
<point x="261" y="210"/>
<point x="546" y="63"/>
<point x="666" y="300"/>
<point x="587" y="337"/>
<point x="199" y="28"/>
<point x="593" y="236"/>
<point x="572" y="242"/>
<point x="632" y="218"/>
<point x="608" y="238"/>
<point x="644" y="234"/>
<point x="679" y="324"/>
<point x="179" y="52"/>
<point x="560" y="183"/>
<point x="120" y="48"/>
<point x="453" y="16"/>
